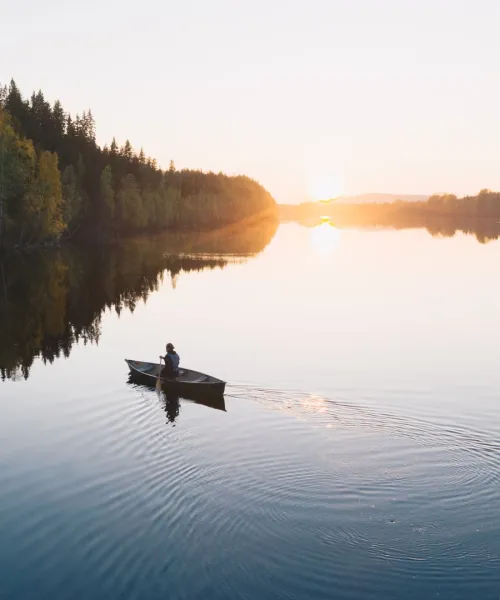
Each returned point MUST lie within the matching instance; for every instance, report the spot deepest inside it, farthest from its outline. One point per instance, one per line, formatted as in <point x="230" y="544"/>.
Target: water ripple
<point x="287" y="495"/>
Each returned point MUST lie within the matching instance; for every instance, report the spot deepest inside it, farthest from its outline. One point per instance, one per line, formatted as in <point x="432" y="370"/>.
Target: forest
<point x="56" y="182"/>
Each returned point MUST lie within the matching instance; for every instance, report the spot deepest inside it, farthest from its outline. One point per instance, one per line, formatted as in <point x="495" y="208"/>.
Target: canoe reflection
<point x="171" y="401"/>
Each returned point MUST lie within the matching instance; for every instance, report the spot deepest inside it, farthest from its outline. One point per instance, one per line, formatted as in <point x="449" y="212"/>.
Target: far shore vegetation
<point x="441" y="214"/>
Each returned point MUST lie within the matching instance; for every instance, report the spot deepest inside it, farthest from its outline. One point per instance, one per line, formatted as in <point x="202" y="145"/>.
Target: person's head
<point x="170" y="347"/>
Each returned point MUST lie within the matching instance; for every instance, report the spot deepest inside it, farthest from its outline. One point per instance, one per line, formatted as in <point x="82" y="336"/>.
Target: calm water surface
<point x="358" y="455"/>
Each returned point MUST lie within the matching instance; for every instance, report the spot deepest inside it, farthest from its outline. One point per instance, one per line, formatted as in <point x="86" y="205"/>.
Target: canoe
<point x="188" y="383"/>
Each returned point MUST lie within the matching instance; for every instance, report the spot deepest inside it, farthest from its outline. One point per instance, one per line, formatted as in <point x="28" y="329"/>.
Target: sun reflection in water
<point x="325" y="237"/>
<point x="315" y="405"/>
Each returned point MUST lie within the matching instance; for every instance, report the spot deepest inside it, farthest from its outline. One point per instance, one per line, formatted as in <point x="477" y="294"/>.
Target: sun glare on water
<point x="324" y="238"/>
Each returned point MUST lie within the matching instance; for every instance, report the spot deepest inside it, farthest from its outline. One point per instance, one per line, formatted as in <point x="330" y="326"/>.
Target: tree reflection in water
<point x="54" y="298"/>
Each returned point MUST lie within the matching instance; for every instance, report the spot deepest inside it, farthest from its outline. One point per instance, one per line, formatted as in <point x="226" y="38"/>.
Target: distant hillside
<point x="379" y="198"/>
<point x="329" y="206"/>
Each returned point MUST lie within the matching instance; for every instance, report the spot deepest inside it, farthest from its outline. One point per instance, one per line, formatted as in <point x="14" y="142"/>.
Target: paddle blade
<point x="158" y="383"/>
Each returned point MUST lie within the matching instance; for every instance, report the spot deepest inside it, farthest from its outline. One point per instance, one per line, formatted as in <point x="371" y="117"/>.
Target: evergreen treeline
<point x="56" y="180"/>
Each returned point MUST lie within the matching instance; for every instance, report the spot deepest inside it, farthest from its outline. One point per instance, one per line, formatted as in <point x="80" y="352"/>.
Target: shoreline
<point x="94" y="239"/>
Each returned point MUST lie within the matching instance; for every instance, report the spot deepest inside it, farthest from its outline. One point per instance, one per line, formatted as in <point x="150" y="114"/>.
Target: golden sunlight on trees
<point x="55" y="180"/>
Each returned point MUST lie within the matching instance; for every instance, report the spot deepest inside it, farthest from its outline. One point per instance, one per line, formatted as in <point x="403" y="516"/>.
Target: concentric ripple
<point x="285" y="495"/>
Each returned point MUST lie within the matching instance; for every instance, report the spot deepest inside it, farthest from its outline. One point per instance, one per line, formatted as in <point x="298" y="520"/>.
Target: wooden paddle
<point x="158" y="381"/>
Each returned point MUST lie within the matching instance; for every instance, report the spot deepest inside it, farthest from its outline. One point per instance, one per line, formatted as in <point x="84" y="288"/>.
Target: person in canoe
<point x="171" y="358"/>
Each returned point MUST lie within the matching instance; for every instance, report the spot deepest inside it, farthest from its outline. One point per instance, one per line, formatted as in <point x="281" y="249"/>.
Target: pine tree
<point x="16" y="106"/>
<point x="127" y="150"/>
<point x="129" y="205"/>
<point x="107" y="196"/>
<point x="59" y="119"/>
<point x="70" y="128"/>
<point x="72" y="198"/>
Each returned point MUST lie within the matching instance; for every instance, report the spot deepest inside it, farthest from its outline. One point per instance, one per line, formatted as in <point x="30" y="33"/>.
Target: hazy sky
<point x="308" y="97"/>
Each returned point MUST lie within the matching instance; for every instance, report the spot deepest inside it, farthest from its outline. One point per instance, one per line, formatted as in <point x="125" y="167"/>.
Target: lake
<point x="358" y="452"/>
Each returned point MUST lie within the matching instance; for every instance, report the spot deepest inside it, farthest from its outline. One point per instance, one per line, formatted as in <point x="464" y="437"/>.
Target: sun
<point x="325" y="187"/>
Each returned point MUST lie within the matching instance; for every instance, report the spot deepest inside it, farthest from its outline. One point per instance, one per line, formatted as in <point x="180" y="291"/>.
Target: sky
<point x="312" y="98"/>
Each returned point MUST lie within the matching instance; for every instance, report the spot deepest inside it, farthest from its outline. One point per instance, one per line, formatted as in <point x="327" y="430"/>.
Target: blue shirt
<point x="175" y="358"/>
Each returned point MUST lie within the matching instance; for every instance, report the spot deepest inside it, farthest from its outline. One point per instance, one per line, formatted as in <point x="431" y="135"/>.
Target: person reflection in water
<point x="172" y="408"/>
<point x="171" y="358"/>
